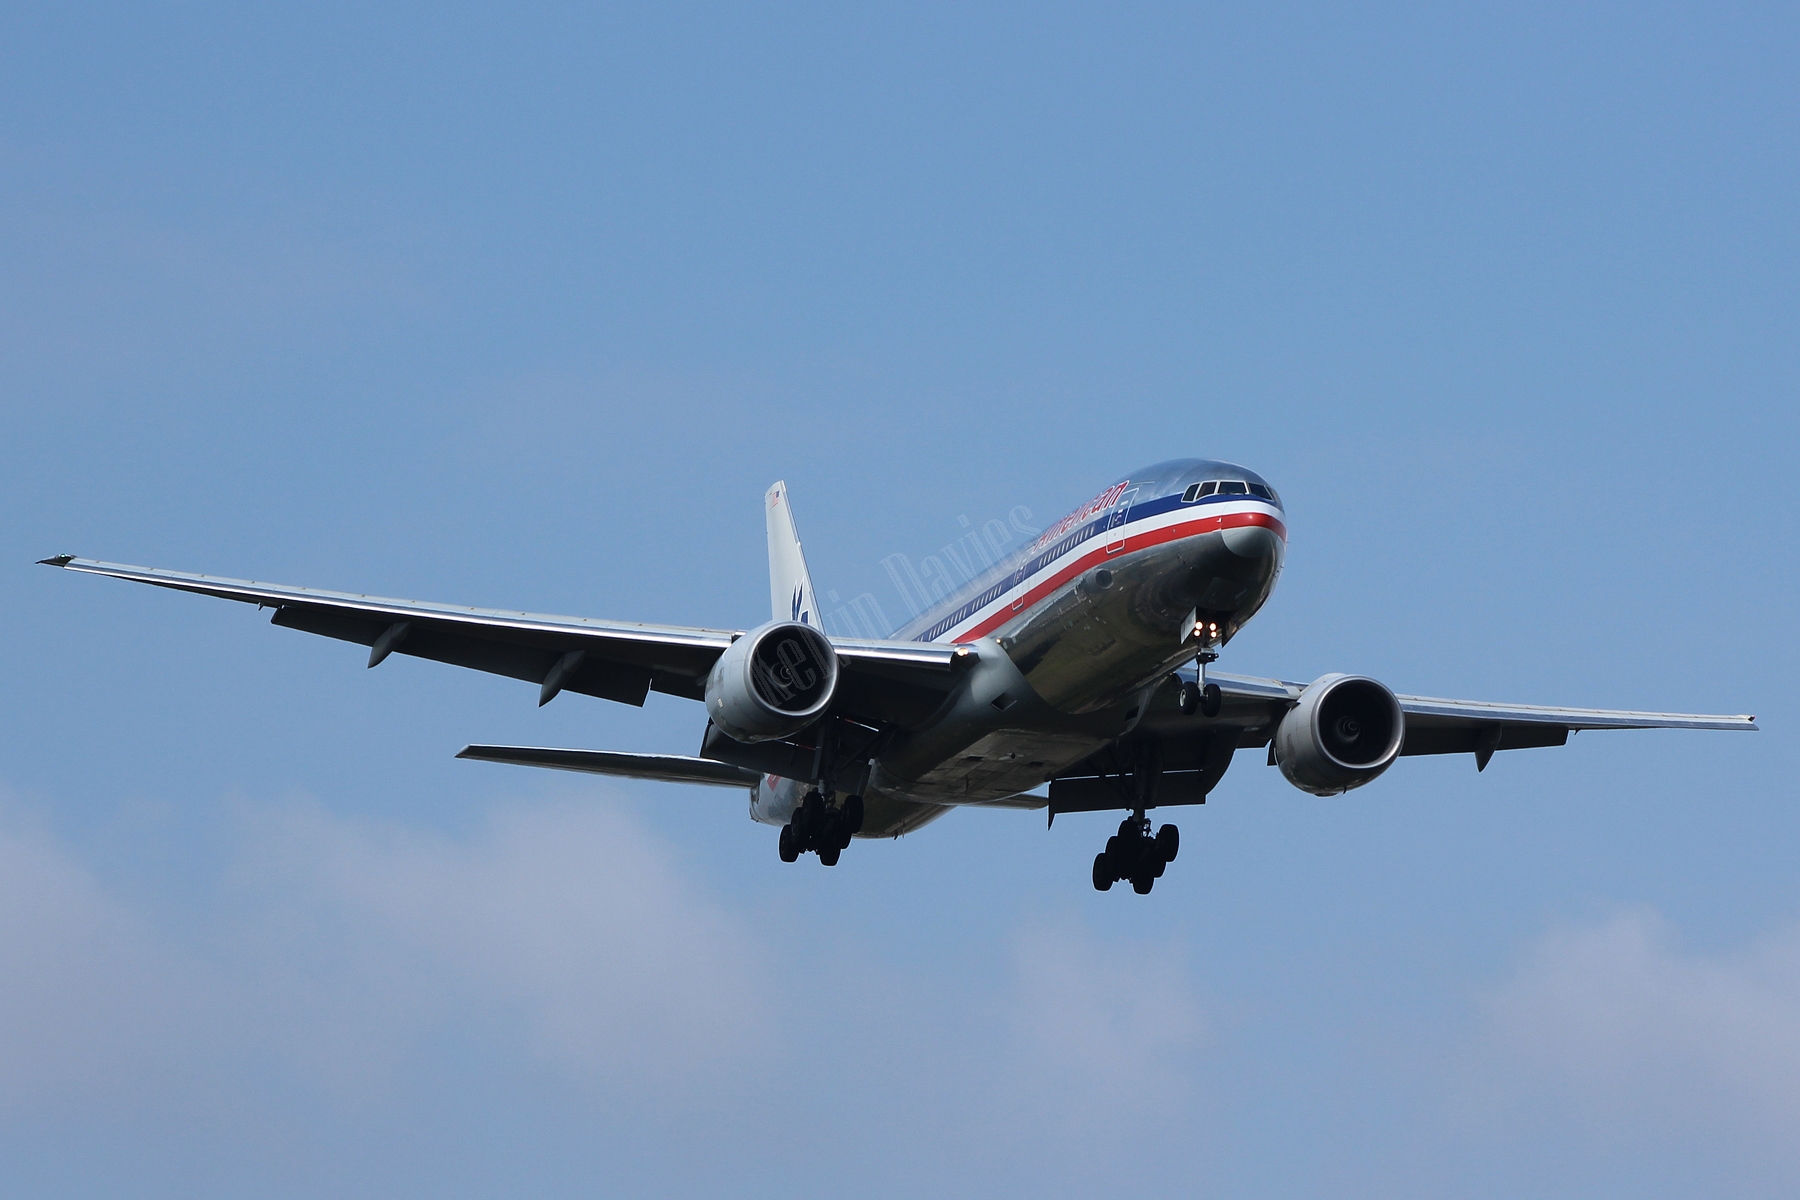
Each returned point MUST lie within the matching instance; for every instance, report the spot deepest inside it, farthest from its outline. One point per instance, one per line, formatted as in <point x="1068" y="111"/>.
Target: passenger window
<point x="1232" y="487"/>
<point x="1262" y="489"/>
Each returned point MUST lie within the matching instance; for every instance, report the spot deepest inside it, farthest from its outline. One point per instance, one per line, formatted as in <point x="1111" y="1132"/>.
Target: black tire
<point x="853" y="815"/>
<point x="1168" y="842"/>
<point x="1141" y="884"/>
<point x="1103" y="876"/>
<point x="1190" y="697"/>
<point x="1210" y="700"/>
<point x="789" y="846"/>
<point x="829" y="854"/>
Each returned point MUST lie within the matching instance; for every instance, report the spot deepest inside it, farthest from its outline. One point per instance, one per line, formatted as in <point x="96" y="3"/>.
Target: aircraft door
<point x="1117" y="519"/>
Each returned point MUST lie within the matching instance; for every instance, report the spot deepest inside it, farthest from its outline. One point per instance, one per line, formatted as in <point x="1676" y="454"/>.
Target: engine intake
<point x="1346" y="730"/>
<point x="772" y="682"/>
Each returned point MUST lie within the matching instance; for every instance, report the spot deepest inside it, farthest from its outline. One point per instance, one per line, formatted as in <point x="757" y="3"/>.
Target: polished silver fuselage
<point x="1074" y="633"/>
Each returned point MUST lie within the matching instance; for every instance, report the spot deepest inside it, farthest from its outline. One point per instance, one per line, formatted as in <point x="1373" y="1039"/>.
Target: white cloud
<point x="340" y="948"/>
<point x="342" y="982"/>
<point x="1118" y="1016"/>
<point x="1089" y="1026"/>
<point x="89" y="992"/>
<point x="572" y="915"/>
<point x="1631" y="1031"/>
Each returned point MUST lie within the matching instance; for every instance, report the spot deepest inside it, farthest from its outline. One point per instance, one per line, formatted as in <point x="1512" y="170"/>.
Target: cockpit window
<point x="1262" y="489"/>
<point x="1197" y="490"/>
<point x="1233" y="487"/>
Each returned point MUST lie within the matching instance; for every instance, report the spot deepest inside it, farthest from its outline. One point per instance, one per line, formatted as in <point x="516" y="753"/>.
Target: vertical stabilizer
<point x="790" y="587"/>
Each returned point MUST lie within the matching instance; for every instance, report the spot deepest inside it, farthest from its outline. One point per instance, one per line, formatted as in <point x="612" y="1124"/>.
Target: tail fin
<point x="790" y="587"/>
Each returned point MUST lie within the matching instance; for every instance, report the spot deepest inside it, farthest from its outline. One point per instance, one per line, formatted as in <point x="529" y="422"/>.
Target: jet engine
<point x="772" y="682"/>
<point x="1345" y="731"/>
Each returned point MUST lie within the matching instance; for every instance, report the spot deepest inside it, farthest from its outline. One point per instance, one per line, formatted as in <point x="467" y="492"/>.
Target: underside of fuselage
<point x="775" y="801"/>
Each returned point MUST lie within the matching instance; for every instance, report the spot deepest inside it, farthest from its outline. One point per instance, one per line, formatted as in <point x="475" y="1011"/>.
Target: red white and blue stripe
<point x="1118" y="530"/>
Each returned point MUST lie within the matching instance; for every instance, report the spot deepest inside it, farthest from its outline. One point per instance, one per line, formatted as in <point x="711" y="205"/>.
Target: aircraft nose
<point x="1252" y="541"/>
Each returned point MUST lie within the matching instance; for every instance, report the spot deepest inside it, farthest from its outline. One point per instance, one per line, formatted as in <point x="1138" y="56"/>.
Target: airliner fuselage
<point x="1081" y="627"/>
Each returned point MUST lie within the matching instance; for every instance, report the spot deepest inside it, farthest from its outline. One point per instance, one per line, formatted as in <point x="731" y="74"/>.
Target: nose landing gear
<point x="1196" y="698"/>
<point x="822" y="828"/>
<point x="1134" y="855"/>
<point x="1199" y="695"/>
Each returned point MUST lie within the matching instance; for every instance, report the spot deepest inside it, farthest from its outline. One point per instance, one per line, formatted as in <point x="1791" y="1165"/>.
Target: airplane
<point x="1077" y="665"/>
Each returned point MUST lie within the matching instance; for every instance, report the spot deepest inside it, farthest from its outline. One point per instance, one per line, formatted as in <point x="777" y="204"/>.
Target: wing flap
<point x="1478" y="738"/>
<point x="621" y="682"/>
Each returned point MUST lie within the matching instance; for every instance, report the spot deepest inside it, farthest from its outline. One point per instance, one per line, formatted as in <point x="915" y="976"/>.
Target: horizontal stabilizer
<point x="670" y="768"/>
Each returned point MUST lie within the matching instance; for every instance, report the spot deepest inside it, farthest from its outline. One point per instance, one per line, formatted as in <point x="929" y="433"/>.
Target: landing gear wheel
<point x="828" y="854"/>
<point x="1190" y="697"/>
<point x="789" y="846"/>
<point x="1133" y="855"/>
<point x="1210" y="700"/>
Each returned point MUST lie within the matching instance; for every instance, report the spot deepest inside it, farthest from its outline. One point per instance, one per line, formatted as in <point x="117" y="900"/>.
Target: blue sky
<point x="527" y="308"/>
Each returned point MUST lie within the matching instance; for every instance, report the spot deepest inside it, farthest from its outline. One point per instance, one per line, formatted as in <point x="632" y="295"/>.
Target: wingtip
<point x="59" y="560"/>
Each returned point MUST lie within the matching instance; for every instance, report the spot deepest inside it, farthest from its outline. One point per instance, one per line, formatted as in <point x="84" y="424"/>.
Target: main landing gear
<point x="1133" y="854"/>
<point x="821" y="827"/>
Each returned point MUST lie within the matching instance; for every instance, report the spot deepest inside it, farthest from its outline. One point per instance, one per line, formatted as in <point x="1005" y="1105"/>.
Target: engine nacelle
<point x="1346" y="730"/>
<point x="772" y="682"/>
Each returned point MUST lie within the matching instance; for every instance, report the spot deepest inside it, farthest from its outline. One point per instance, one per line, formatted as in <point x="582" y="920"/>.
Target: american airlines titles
<point x="1100" y="503"/>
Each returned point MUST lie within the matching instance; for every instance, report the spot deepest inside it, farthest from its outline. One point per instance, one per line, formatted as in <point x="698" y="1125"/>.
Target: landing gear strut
<point x="821" y="827"/>
<point x="1197" y="694"/>
<point x="1133" y="854"/>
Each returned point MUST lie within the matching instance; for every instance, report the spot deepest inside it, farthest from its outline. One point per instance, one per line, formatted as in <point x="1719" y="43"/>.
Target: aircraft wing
<point x="1194" y="750"/>
<point x="615" y="660"/>
<point x="1433" y="725"/>
<point x="1436" y="726"/>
